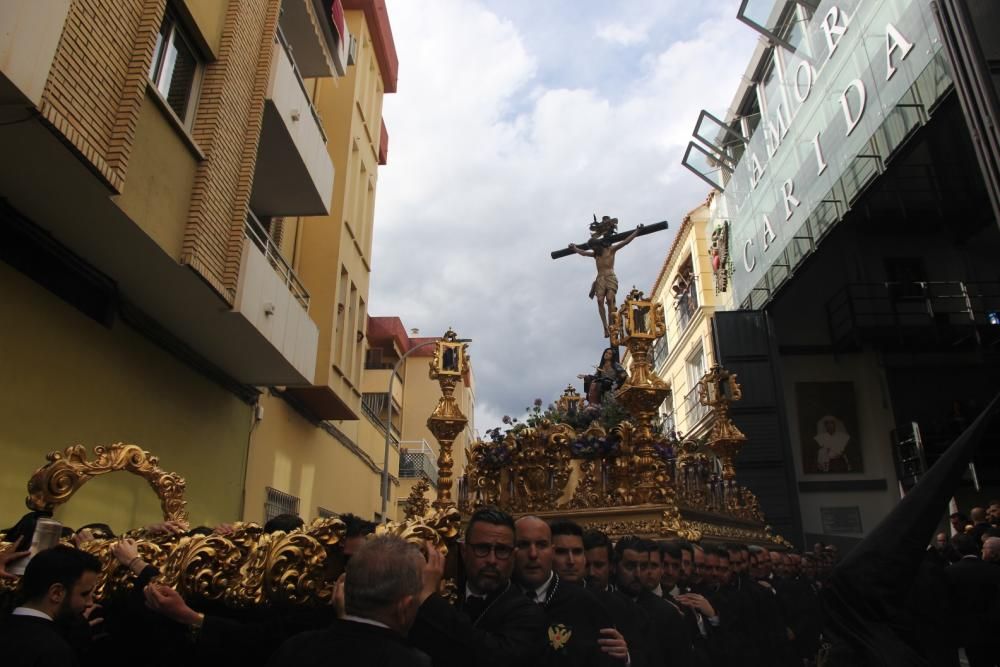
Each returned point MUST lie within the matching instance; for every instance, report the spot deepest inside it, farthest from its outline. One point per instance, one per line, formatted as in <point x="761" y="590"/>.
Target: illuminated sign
<point x="855" y="62"/>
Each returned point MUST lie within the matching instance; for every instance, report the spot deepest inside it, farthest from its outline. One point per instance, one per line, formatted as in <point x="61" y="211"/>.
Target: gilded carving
<point x="56" y="482"/>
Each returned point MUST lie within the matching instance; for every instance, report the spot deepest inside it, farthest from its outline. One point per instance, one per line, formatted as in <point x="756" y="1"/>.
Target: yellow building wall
<point x="70" y="380"/>
<point x="334" y="252"/>
<point x="683" y="342"/>
<point x="308" y="463"/>
<point x="157" y="191"/>
<point x="332" y="256"/>
<point x="420" y="397"/>
<point x="209" y="18"/>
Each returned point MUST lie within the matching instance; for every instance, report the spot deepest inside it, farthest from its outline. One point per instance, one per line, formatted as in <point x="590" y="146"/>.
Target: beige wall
<point x="29" y="35"/>
<point x="308" y="463"/>
<point x="157" y="190"/>
<point x="209" y="17"/>
<point x="692" y="242"/>
<point x="332" y="256"/>
<point x="70" y="380"/>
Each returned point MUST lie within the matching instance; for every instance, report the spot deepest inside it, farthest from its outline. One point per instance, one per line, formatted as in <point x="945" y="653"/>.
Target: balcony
<point x="271" y="297"/>
<point x="294" y="173"/>
<point x="693" y="412"/>
<point x="686" y="304"/>
<point x="31" y="32"/>
<point x="376" y="408"/>
<point x="417" y="459"/>
<point x="317" y="33"/>
<point x="916" y="314"/>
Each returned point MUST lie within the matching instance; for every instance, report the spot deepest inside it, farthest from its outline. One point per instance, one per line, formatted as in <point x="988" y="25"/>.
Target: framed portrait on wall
<point x="829" y="434"/>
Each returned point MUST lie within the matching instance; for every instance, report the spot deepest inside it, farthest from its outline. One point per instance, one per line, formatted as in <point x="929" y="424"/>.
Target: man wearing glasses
<point x="494" y="623"/>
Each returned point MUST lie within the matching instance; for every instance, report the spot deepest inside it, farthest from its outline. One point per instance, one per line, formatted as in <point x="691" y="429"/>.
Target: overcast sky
<point x="514" y="122"/>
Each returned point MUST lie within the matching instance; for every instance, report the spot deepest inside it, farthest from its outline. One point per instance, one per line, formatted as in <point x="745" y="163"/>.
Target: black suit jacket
<point x="669" y="630"/>
<point x="349" y="643"/>
<point x="574" y="620"/>
<point x="28" y="641"/>
<point x="511" y="632"/>
<point x="975" y="585"/>
<point x="633" y="623"/>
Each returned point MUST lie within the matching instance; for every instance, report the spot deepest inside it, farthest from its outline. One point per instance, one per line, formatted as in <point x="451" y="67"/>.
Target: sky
<point x="515" y="121"/>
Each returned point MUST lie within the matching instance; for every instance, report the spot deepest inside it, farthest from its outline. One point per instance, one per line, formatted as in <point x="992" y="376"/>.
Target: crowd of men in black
<point x="531" y="592"/>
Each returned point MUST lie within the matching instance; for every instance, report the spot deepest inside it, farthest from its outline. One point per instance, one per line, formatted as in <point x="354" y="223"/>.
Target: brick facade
<point x="96" y="85"/>
<point x="227" y="129"/>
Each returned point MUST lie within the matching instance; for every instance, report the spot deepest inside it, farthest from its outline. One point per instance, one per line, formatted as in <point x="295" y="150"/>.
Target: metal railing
<point x="901" y="306"/>
<point x="298" y="77"/>
<point x="694" y="411"/>
<point x="687" y="305"/>
<point x="255" y="231"/>
<point x="375" y="407"/>
<point x="416" y="459"/>
<point x="660" y="353"/>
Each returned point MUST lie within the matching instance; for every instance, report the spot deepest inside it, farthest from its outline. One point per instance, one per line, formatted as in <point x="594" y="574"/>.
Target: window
<point x="279" y="502"/>
<point x="175" y="68"/>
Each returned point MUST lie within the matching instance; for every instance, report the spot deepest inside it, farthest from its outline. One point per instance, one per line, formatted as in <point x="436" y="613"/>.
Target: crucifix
<point x="605" y="241"/>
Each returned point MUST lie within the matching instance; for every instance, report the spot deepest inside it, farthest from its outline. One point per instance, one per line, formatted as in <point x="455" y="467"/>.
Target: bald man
<point x="574" y="618"/>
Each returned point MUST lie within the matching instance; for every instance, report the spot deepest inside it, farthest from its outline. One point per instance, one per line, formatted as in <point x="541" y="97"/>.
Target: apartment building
<point x="686" y="288"/>
<point x="413" y="448"/>
<point x="313" y="453"/>
<point x="148" y="146"/>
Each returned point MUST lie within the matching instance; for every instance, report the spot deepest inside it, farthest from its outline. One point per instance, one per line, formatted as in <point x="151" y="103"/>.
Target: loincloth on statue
<point x="605" y="283"/>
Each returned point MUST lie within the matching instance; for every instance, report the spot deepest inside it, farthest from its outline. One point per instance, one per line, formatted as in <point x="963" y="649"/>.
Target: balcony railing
<point x="416" y="459"/>
<point x="694" y="411"/>
<point x="255" y="231"/>
<point x="687" y="305"/>
<point x="660" y="353"/>
<point x="375" y="406"/>
<point x="302" y="84"/>
<point x="902" y="310"/>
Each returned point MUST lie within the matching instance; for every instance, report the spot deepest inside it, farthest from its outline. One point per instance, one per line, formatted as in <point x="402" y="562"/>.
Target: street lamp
<point x="388" y="420"/>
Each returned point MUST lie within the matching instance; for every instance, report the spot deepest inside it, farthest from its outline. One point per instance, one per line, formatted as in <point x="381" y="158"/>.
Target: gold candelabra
<point x="448" y="367"/>
<point x="716" y="390"/>
<point x="637" y="325"/>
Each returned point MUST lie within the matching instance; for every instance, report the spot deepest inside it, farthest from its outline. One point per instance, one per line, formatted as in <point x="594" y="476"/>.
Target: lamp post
<point x="388" y="421"/>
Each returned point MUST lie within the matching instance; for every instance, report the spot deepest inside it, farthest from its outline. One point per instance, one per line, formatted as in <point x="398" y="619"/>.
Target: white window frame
<point x="176" y="31"/>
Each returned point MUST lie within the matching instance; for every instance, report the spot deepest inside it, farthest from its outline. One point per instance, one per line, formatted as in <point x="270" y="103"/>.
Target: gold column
<point x="637" y="325"/>
<point x="717" y="389"/>
<point x="448" y="367"/>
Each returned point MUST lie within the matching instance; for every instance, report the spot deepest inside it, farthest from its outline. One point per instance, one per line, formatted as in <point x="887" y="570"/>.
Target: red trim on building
<point x="384" y="331"/>
<point x="337" y="18"/>
<point x="383" y="145"/>
<point x="377" y="17"/>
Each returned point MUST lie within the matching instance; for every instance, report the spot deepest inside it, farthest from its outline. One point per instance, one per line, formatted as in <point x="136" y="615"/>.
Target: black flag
<point x="868" y="590"/>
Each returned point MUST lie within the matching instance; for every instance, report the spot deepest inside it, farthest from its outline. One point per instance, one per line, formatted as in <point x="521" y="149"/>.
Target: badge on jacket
<point x="559" y="636"/>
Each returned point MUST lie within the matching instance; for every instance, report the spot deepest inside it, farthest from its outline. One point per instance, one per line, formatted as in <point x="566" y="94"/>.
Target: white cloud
<point x="621" y="34"/>
<point x="490" y="168"/>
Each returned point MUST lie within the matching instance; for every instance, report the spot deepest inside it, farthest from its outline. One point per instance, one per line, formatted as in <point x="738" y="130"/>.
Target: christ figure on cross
<point x="606" y="285"/>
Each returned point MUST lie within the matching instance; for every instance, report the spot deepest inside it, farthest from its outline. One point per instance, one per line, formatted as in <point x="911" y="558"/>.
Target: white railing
<point x="255" y="231"/>
<point x="302" y="84"/>
<point x="417" y="459"/>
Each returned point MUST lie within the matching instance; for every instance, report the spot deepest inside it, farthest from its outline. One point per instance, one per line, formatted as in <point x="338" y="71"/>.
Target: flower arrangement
<point x="593" y="446"/>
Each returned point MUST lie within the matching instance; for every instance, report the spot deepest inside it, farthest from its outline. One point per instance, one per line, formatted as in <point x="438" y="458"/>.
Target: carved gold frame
<point x="67" y="471"/>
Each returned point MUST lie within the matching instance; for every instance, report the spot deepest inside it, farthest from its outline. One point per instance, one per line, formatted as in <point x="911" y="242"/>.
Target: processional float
<point x="629" y="477"/>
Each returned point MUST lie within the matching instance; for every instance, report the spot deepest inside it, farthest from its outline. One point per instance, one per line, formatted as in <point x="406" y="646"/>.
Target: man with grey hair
<point x="382" y="589"/>
<point x="991" y="550"/>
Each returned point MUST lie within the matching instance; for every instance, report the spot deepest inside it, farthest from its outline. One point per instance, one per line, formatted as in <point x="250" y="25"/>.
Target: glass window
<point x="175" y="68"/>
